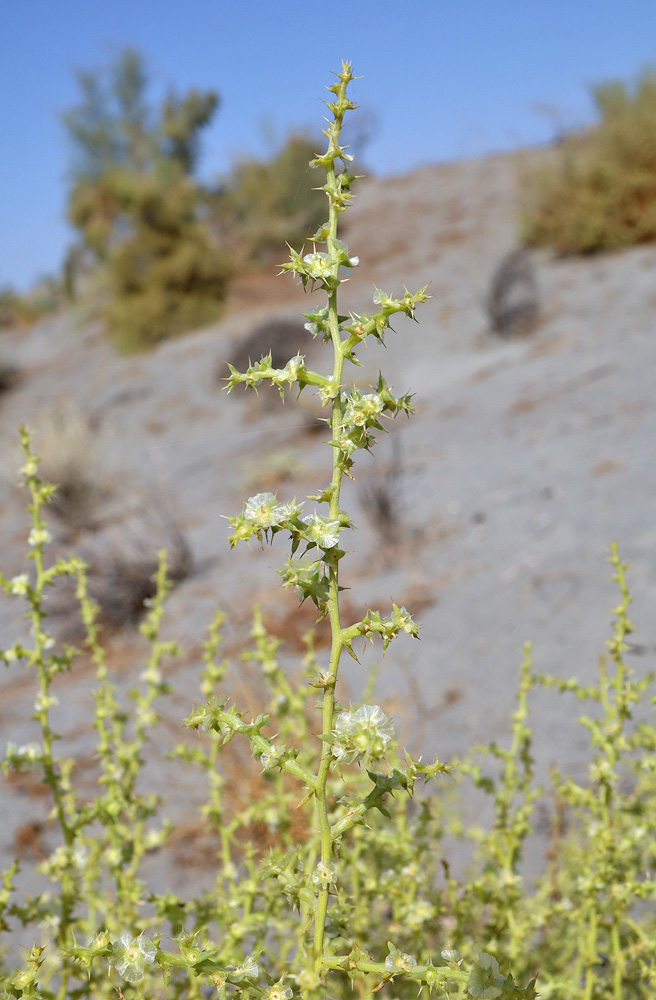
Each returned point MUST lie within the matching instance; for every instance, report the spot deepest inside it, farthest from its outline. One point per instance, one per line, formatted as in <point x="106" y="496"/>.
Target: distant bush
<point x="167" y="276"/>
<point x="265" y="203"/>
<point x="600" y="194"/>
<point x="137" y="206"/>
<point x="20" y="310"/>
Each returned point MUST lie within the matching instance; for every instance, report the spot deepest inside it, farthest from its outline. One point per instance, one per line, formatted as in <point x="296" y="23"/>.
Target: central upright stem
<point x="330" y="678"/>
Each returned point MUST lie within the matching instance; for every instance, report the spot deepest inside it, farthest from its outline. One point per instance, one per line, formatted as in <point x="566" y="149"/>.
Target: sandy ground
<point x="525" y="459"/>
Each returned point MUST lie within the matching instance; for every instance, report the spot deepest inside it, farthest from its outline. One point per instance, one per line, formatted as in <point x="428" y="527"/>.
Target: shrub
<point x="265" y="203"/>
<point x="138" y="208"/>
<point x="600" y="191"/>
<point x="167" y="277"/>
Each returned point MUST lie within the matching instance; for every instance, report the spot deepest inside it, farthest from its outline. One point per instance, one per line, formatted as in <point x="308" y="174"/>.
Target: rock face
<point x="526" y="457"/>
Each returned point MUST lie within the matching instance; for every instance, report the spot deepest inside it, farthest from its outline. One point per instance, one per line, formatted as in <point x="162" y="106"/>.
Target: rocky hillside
<point x="489" y="514"/>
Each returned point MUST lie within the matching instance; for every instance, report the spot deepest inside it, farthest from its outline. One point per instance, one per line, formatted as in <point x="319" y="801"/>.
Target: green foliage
<point x="600" y="193"/>
<point x="265" y="203"/>
<point x="135" y="202"/>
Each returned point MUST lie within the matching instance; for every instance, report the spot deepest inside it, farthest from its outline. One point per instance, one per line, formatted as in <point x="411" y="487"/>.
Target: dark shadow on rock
<point x="513" y="301"/>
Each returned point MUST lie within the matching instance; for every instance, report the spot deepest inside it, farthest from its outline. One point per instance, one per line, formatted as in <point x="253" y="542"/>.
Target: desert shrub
<point x="263" y="204"/>
<point x="166" y="277"/>
<point x="137" y="206"/>
<point x="599" y="192"/>
<point x="332" y="878"/>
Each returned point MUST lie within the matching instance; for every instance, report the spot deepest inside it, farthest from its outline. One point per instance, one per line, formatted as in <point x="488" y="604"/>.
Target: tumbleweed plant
<point x="330" y="879"/>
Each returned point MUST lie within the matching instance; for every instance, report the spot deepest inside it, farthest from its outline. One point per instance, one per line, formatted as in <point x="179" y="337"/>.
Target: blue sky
<point x="442" y="79"/>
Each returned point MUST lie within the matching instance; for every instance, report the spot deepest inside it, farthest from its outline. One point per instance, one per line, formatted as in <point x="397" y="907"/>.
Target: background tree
<point x="136" y="203"/>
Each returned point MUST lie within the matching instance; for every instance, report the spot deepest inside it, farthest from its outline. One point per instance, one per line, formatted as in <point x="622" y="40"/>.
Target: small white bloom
<point x="45" y="701"/>
<point x="450" y="955"/>
<point x="29" y="469"/>
<point x="319" y="265"/>
<point x="279" y="992"/>
<point x="27" y="754"/>
<point x="263" y="511"/>
<point x="403" y="619"/>
<point x="130" y="956"/>
<point x="324" y="874"/>
<point x="367" y="730"/>
<point x="322" y="530"/>
<point x="247" y="970"/>
<point x="400" y="961"/>
<point x="80" y="856"/>
<point x="293" y="365"/>
<point x="418" y="913"/>
<point x="39" y="536"/>
<point x="328" y="392"/>
<point x="272" y="757"/>
<point x="19" y="585"/>
<point x="362" y="411"/>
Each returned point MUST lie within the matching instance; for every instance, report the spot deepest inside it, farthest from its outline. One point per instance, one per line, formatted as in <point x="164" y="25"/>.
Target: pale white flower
<point x="293" y="365"/>
<point x="367" y="730"/>
<point x="324" y="874"/>
<point x="27" y="754"/>
<point x="247" y="970"/>
<point x="264" y="511"/>
<point x="450" y="955"/>
<point x="319" y="265"/>
<point x="403" y="620"/>
<point x="45" y="701"/>
<point x="400" y="961"/>
<point x="279" y="992"/>
<point x="29" y="469"/>
<point x="19" y="585"/>
<point x="272" y="757"/>
<point x="130" y="956"/>
<point x="361" y="411"/>
<point x="418" y="913"/>
<point x="39" y="536"/>
<point x="328" y="392"/>
<point x="322" y="530"/>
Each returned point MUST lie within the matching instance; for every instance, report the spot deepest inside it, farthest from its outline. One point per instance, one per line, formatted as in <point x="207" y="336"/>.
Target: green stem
<point x="328" y="708"/>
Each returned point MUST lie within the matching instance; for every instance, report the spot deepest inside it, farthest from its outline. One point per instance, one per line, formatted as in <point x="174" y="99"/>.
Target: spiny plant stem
<point x="334" y="513"/>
